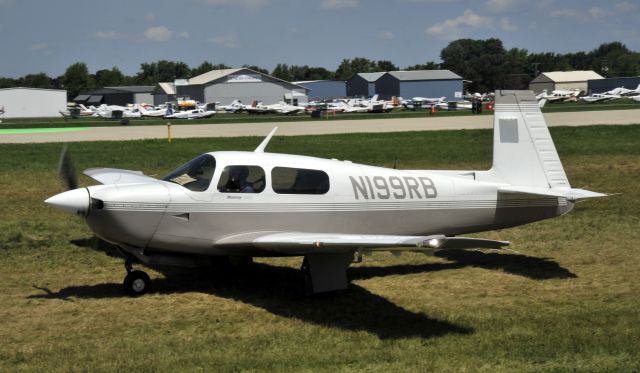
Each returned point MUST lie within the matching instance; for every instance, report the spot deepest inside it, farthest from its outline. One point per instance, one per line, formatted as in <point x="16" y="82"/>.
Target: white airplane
<point x="154" y="112"/>
<point x="234" y="107"/>
<point x="74" y="110"/>
<point x="284" y="108"/>
<point x="252" y="204"/>
<point x="189" y="114"/>
<point x="599" y="97"/>
<point x="560" y="95"/>
<point x="257" y="107"/>
<point x="454" y="105"/>
<point x="622" y="91"/>
<point x="417" y="103"/>
<point x="109" y="111"/>
<point x="372" y="105"/>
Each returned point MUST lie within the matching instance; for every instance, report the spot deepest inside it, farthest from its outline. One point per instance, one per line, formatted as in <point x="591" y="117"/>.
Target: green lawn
<point x="564" y="297"/>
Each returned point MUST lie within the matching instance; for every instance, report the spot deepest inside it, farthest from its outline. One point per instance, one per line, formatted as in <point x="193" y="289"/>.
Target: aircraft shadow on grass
<point x="279" y="290"/>
<point x="516" y="264"/>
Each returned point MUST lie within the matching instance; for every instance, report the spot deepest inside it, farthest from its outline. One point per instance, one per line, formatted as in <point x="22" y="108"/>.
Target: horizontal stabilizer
<point x="296" y="243"/>
<point x="571" y="194"/>
<point x="109" y="176"/>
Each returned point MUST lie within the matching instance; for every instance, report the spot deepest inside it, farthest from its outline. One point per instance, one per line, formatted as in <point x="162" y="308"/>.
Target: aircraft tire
<point x="136" y="283"/>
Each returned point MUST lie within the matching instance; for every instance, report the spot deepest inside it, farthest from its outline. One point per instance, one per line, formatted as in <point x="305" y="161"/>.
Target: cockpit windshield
<point x="194" y="175"/>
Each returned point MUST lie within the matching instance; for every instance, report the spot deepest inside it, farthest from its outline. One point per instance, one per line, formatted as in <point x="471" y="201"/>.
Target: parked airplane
<point x="189" y="114"/>
<point x="418" y="103"/>
<point x="234" y="107"/>
<point x="257" y="107"/>
<point x="622" y="91"/>
<point x="154" y="112"/>
<point x="284" y="108"/>
<point x="246" y="204"/>
<point x="560" y="95"/>
<point x="110" y="111"/>
<point x="598" y="97"/>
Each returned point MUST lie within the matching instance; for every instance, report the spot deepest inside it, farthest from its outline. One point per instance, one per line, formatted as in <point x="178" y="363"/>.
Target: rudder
<point x="523" y="151"/>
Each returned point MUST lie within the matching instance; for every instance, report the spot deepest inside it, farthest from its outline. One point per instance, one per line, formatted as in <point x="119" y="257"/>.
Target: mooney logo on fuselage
<point x="397" y="187"/>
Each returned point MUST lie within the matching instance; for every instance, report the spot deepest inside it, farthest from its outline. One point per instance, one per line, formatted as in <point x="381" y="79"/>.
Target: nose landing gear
<point x="135" y="283"/>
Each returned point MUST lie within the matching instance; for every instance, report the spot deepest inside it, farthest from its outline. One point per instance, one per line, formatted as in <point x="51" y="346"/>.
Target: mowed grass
<point x="564" y="297"/>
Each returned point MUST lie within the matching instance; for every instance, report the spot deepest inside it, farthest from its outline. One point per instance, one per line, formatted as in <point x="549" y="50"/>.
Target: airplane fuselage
<point x="337" y="196"/>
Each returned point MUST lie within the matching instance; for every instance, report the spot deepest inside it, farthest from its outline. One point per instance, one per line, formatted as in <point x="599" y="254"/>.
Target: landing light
<point x="434" y="242"/>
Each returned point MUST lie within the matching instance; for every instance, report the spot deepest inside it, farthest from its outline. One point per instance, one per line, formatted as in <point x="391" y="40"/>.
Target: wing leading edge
<point x="116" y="176"/>
<point x="299" y="243"/>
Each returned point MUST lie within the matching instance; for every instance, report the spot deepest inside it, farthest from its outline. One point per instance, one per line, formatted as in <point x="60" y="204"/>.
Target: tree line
<point x="487" y="64"/>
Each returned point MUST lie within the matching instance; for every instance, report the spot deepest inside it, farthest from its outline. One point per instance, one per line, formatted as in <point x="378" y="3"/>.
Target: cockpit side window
<point x="241" y="179"/>
<point x="194" y="175"/>
<point x="287" y="180"/>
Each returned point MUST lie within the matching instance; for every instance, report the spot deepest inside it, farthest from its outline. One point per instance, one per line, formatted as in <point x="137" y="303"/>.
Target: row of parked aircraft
<point x="574" y="95"/>
<point x="613" y="94"/>
<point x="190" y="109"/>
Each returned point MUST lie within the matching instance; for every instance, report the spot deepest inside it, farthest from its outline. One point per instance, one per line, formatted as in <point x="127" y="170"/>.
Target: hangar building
<point x="23" y="102"/>
<point x="164" y="92"/>
<point x="324" y="89"/>
<point x="243" y="84"/>
<point x="363" y="84"/>
<point x="604" y="85"/>
<point x="567" y="80"/>
<point x="420" y="83"/>
<point x="121" y="95"/>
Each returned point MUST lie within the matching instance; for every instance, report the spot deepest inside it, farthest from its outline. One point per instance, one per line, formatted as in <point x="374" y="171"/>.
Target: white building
<point x="23" y="102"/>
<point x="566" y="80"/>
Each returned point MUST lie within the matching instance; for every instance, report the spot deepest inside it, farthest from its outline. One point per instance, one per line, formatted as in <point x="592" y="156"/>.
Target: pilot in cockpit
<point x="238" y="180"/>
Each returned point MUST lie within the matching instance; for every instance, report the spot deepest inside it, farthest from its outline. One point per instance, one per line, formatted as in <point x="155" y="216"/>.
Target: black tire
<point x="136" y="283"/>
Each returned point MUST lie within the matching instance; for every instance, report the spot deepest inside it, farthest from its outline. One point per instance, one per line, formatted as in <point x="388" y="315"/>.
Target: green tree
<point x="282" y="71"/>
<point x="615" y="60"/>
<point x="110" y="77"/>
<point x="363" y="65"/>
<point x="7" y="83"/>
<point x="40" y="80"/>
<point x="480" y="61"/>
<point x="344" y="70"/>
<point x="162" y="71"/>
<point x="76" y="79"/>
<point x="430" y="65"/>
<point x="385" y="65"/>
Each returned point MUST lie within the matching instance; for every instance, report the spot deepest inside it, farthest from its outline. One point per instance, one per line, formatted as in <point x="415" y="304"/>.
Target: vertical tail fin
<point x="523" y="151"/>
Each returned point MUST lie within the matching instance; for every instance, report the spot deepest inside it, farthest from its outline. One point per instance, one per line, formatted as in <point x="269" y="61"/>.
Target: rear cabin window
<point x="287" y="180"/>
<point x="194" y="175"/>
<point x="241" y="179"/>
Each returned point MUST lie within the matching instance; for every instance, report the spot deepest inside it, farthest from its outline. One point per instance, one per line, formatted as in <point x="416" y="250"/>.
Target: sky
<point x="48" y="36"/>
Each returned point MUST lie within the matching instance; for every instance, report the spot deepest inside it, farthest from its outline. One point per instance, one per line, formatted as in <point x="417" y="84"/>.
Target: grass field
<point x="565" y="297"/>
<point x="59" y="122"/>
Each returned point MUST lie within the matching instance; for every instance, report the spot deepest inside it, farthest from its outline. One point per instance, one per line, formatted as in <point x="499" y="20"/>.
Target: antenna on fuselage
<point x="263" y="144"/>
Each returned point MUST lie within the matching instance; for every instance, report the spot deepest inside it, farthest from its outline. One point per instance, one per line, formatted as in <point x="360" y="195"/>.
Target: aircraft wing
<point x="109" y="176"/>
<point x="299" y="243"/>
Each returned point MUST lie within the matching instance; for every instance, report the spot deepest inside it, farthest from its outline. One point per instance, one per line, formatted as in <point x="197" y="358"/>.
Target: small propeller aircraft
<point x="252" y="204"/>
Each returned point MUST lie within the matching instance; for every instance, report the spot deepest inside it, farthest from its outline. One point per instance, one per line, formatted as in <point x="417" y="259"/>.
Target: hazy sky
<point x="47" y="35"/>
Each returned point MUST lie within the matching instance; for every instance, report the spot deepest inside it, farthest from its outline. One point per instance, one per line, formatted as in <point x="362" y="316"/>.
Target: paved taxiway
<point x="185" y="130"/>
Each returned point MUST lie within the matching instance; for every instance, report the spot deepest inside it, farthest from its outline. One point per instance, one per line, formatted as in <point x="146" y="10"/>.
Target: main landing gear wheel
<point x="136" y="283"/>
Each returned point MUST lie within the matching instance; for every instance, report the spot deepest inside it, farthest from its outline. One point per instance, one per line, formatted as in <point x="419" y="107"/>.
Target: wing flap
<point x="110" y="176"/>
<point x="299" y="243"/>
